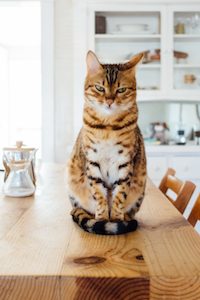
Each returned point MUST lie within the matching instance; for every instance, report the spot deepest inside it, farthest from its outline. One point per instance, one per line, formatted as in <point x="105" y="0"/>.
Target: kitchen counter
<point x="176" y="149"/>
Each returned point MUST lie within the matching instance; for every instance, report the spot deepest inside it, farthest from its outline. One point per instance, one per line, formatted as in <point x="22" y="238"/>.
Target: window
<point x="20" y="73"/>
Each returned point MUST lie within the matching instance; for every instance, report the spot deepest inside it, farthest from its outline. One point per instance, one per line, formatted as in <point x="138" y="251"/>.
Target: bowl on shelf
<point x="151" y="56"/>
<point x="189" y="78"/>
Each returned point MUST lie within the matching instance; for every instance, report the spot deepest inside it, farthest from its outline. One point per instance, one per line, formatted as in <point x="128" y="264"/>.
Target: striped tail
<point x="89" y="224"/>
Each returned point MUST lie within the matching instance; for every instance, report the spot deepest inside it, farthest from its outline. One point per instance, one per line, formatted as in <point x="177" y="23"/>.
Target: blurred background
<point x="43" y="45"/>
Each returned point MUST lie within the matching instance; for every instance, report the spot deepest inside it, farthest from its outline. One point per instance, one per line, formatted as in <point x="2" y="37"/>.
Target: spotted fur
<point x="107" y="168"/>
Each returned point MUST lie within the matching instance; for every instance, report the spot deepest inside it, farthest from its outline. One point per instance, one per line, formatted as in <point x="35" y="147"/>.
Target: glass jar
<point x="19" y="180"/>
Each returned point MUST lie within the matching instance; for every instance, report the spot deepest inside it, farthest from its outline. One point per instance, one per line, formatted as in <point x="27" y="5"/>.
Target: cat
<point x="107" y="167"/>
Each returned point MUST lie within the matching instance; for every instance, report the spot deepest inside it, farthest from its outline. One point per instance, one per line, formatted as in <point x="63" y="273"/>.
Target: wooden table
<point x="44" y="255"/>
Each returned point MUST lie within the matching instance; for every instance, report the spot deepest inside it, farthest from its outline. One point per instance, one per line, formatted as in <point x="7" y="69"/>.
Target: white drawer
<point x="157" y="167"/>
<point x="186" y="167"/>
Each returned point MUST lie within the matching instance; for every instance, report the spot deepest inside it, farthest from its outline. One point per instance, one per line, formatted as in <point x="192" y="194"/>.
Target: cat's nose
<point x="109" y="101"/>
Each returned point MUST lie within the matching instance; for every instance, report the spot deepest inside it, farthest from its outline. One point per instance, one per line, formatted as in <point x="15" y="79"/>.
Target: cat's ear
<point x="93" y="64"/>
<point x="134" y="61"/>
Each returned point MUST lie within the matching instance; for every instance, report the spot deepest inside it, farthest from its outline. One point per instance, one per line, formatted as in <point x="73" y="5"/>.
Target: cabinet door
<point x="185" y="59"/>
<point x="187" y="168"/>
<point x="156" y="167"/>
<point x="117" y="32"/>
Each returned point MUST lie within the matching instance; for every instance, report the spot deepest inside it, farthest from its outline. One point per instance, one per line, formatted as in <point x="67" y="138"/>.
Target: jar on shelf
<point x="180" y="27"/>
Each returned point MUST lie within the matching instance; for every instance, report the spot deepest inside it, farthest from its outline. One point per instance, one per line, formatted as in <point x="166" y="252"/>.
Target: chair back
<point x="195" y="212"/>
<point x="183" y="190"/>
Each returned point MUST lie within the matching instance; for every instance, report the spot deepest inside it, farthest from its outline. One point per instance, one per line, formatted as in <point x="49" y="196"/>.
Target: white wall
<point x="4" y="96"/>
<point x="63" y="78"/>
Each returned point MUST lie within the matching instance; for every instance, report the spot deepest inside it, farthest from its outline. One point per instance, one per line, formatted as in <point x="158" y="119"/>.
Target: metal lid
<point x="19" y="147"/>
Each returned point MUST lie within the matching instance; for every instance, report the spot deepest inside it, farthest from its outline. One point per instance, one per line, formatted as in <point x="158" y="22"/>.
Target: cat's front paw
<point x="78" y="211"/>
<point x="102" y="215"/>
<point x="116" y="215"/>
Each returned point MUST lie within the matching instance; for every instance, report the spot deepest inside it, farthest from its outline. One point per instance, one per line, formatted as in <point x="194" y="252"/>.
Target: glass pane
<point x="186" y="50"/>
<point x="187" y="23"/>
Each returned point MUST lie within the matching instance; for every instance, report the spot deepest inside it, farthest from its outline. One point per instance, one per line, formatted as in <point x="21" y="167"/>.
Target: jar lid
<point x="19" y="147"/>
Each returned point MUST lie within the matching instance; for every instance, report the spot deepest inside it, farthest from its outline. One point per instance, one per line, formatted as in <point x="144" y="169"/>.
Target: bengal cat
<point x="107" y="168"/>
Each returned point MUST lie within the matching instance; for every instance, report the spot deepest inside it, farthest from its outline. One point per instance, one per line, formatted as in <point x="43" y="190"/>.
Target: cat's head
<point x="110" y="88"/>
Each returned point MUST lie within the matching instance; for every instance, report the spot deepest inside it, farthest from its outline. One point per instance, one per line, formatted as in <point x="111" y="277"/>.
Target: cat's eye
<point x="99" y="88"/>
<point x="121" y="90"/>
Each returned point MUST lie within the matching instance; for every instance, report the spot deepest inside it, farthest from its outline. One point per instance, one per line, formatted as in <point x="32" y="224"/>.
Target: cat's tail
<point x="84" y="220"/>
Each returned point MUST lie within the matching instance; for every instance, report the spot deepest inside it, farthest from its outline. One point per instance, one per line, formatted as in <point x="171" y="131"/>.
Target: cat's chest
<point x="109" y="155"/>
<point x="107" y="152"/>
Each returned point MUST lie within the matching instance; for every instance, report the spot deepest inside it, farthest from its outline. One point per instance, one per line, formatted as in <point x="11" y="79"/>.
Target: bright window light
<point x="20" y="73"/>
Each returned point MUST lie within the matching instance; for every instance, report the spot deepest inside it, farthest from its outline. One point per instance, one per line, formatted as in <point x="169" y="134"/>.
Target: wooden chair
<point x="194" y="216"/>
<point x="183" y="190"/>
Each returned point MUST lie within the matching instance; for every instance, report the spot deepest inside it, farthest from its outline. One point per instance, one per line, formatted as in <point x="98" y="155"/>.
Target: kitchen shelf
<point x="167" y="74"/>
<point x="187" y="36"/>
<point x="187" y="66"/>
<point x="190" y="147"/>
<point x="149" y="66"/>
<point x="135" y="37"/>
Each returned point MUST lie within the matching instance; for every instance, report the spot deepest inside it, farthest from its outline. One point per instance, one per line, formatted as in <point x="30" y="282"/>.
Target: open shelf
<point x="187" y="66"/>
<point x="135" y="37"/>
<point x="149" y="66"/>
<point x="191" y="37"/>
<point x="117" y="43"/>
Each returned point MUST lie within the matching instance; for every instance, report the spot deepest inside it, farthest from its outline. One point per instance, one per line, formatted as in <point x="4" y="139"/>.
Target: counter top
<point x="175" y="149"/>
<point x="44" y="255"/>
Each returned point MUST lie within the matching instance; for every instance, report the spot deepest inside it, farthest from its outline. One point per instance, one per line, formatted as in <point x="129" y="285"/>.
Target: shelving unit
<point x="186" y="76"/>
<point x="149" y="66"/>
<point x="118" y="45"/>
<point x="112" y="47"/>
<point x="189" y="66"/>
<point x="187" y="36"/>
<point x="163" y="80"/>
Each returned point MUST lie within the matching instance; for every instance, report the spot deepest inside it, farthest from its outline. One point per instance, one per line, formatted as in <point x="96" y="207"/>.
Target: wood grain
<point x="29" y="288"/>
<point x="11" y="209"/>
<point x="105" y="288"/>
<point x="44" y="255"/>
<point x="180" y="288"/>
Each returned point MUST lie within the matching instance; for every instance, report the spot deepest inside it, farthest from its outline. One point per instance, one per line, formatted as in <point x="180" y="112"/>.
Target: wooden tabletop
<point x="44" y="255"/>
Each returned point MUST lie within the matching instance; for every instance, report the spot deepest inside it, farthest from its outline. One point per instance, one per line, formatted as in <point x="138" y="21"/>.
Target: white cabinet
<point x="186" y="166"/>
<point x="168" y="31"/>
<point x="184" y="159"/>
<point x="184" y="36"/>
<point x="131" y="29"/>
<point x="133" y="26"/>
<point x="156" y="167"/>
